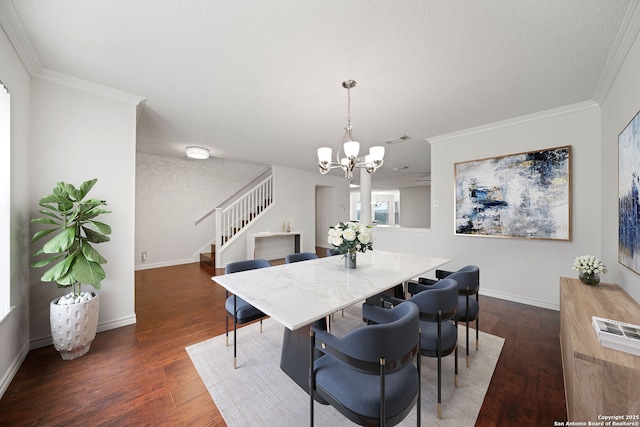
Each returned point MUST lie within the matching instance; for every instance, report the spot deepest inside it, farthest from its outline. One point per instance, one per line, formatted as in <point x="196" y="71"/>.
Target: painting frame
<point x="525" y="195"/>
<point x="628" y="198"/>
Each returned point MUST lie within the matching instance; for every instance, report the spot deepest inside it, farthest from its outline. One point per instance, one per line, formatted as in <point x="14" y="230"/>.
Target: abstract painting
<point x="628" y="189"/>
<point x="524" y="195"/>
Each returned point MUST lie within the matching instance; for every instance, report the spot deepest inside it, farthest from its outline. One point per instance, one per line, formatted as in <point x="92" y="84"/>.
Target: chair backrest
<point x="250" y="264"/>
<point x="391" y="340"/>
<point x="441" y="297"/>
<point x="468" y="279"/>
<point x="333" y="251"/>
<point x="302" y="256"/>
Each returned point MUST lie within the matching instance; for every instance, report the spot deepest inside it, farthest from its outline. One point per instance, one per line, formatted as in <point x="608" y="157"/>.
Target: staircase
<point x="233" y="219"/>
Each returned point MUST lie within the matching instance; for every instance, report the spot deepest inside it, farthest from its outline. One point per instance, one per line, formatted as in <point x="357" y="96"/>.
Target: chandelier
<point x="371" y="161"/>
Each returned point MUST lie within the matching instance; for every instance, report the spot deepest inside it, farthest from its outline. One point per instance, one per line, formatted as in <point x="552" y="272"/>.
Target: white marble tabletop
<point x="300" y="293"/>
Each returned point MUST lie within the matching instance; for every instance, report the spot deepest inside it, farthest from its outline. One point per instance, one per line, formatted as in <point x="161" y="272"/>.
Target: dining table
<point x="299" y="294"/>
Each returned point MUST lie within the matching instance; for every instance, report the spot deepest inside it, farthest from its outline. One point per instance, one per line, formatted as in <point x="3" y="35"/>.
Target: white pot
<point x="73" y="327"/>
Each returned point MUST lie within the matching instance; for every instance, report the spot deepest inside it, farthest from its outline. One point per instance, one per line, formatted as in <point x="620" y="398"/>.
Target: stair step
<point x="208" y="259"/>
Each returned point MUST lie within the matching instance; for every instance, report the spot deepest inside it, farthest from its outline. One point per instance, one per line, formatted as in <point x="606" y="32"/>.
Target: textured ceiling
<point x="260" y="81"/>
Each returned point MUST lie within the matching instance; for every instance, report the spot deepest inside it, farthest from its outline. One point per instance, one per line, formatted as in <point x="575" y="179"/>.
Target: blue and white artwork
<point x="628" y="189"/>
<point x="526" y="195"/>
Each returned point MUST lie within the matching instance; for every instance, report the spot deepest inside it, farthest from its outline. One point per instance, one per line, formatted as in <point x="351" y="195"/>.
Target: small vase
<point x="350" y="260"/>
<point x="589" y="278"/>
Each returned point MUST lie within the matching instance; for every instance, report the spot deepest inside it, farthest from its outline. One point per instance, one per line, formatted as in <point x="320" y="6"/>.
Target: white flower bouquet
<point x="588" y="264"/>
<point x="350" y="237"/>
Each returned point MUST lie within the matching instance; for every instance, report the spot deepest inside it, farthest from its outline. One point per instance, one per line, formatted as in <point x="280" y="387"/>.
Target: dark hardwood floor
<point x="140" y="375"/>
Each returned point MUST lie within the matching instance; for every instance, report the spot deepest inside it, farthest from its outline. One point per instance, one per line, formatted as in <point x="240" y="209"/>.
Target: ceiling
<point x="260" y="81"/>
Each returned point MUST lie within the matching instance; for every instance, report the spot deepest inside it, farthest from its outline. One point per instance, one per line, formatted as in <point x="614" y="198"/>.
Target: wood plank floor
<point x="140" y="375"/>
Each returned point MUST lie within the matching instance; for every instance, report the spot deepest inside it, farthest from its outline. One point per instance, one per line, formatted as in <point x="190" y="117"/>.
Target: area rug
<point x="259" y="393"/>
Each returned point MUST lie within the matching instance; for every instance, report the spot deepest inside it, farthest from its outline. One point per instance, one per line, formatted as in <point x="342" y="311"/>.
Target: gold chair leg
<point x="477" y="345"/>
<point x="468" y="362"/>
<point x="235" y="363"/>
<point x="455" y="381"/>
<point x="227" y="340"/>
<point x="439" y="411"/>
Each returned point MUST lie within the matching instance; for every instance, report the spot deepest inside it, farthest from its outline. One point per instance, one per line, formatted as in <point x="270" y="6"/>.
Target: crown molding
<point x="13" y="28"/>
<point x="86" y="86"/>
<point x="622" y="45"/>
<point x="567" y="109"/>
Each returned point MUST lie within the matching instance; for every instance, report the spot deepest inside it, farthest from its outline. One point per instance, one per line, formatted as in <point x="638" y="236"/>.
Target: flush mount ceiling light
<point x="371" y="161"/>
<point x="197" y="153"/>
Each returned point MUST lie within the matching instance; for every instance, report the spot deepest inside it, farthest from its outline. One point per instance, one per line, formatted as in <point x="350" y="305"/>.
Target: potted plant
<point x="349" y="238"/>
<point x="73" y="229"/>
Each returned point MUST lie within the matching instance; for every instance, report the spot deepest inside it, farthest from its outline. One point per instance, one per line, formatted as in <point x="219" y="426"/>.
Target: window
<point x="381" y="213"/>
<point x="5" y="218"/>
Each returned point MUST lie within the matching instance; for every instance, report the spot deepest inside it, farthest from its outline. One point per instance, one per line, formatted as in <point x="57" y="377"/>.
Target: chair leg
<point x="226" y="321"/>
<point x="235" y="326"/>
<point x="439" y="349"/>
<point x="468" y="358"/>
<point x="477" y="333"/>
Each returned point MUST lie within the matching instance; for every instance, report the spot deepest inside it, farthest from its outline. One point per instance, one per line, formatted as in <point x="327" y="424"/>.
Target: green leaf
<point x="101" y="227"/>
<point x="44" y="221"/>
<point x="42" y="233"/>
<point x="86" y="186"/>
<point x="91" y="254"/>
<point x="58" y="271"/>
<point x="43" y="262"/>
<point x="94" y="236"/>
<point x="70" y="190"/>
<point x="88" y="272"/>
<point x="50" y="214"/>
<point x="60" y="242"/>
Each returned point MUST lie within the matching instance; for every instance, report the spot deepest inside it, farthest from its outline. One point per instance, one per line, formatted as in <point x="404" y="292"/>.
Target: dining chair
<point x="438" y="308"/>
<point x="302" y="256"/>
<point x="237" y="308"/>
<point x="372" y="374"/>
<point x="468" y="279"/>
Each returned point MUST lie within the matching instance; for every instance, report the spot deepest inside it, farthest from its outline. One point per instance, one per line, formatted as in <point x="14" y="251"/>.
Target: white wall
<point x="527" y="271"/>
<point x="14" y="329"/>
<point x="415" y="207"/>
<point x="620" y="106"/>
<point x="76" y="136"/>
<point x="171" y="194"/>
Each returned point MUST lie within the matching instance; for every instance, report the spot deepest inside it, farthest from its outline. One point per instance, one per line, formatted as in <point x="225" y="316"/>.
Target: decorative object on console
<point x="589" y="269"/>
<point x="525" y="195"/>
<point x="72" y="222"/>
<point x="629" y="195"/>
<point x="371" y="162"/>
<point x="350" y="238"/>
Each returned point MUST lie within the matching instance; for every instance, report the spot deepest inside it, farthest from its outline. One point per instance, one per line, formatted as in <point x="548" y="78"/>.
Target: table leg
<point x="294" y="360"/>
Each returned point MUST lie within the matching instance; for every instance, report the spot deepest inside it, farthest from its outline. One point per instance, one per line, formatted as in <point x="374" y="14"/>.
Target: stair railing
<point x="237" y="216"/>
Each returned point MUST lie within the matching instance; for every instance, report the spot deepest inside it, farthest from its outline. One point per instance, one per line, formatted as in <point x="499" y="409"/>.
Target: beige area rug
<point x="259" y="393"/>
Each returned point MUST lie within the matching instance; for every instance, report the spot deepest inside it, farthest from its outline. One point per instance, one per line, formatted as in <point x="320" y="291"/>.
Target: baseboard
<point x="165" y="264"/>
<point x="522" y="300"/>
<point x="113" y="324"/>
<point x="13" y="369"/>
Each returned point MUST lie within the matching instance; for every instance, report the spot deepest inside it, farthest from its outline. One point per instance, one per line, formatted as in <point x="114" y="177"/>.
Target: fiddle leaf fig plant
<point x="71" y="219"/>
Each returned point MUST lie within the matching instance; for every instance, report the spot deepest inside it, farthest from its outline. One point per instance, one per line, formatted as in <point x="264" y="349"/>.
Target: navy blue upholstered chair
<point x="468" y="279"/>
<point x="372" y="374"/>
<point x="237" y="308"/>
<point x="333" y="251"/>
<point x="438" y="307"/>
<point x="302" y="256"/>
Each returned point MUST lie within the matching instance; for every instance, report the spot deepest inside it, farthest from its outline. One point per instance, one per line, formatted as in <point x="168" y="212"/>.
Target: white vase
<point x="73" y="327"/>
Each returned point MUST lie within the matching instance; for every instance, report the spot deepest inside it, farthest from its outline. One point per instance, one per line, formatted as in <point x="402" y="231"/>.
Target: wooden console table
<point x="598" y="381"/>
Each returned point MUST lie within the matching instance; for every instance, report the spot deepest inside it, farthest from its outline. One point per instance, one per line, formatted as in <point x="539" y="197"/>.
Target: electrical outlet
<point x="144" y="256"/>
